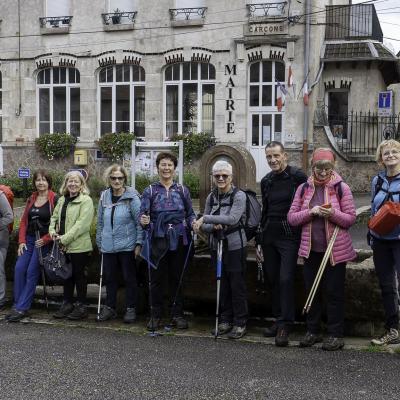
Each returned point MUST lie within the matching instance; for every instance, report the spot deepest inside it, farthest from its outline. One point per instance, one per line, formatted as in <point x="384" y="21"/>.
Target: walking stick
<point x="320" y="272"/>
<point x="100" y="285"/>
<point x="219" y="273"/>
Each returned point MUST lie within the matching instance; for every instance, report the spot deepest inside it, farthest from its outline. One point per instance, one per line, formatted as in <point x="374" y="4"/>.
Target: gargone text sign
<point x="267" y="28"/>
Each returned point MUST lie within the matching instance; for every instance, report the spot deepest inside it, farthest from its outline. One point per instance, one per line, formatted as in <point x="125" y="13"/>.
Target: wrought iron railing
<point x="352" y="22"/>
<point x="116" y="18"/>
<point x="267" y="9"/>
<point x="55" y="22"/>
<point x="187" y="13"/>
<point x="359" y="133"/>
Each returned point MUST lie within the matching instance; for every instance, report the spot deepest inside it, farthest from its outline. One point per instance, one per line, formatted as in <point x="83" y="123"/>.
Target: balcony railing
<point x="262" y="10"/>
<point x="358" y="21"/>
<point x="179" y="14"/>
<point x="117" y="18"/>
<point x="55" y="22"/>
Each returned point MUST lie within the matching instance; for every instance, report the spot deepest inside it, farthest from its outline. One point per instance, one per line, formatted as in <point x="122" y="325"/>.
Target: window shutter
<point x="57" y="8"/>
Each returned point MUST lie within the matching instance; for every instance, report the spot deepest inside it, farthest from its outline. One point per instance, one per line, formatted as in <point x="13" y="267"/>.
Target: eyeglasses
<point x="320" y="170"/>
<point x="224" y="177"/>
<point x="117" y="178"/>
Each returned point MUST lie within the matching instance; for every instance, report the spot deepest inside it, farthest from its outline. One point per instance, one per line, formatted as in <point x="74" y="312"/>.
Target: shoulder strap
<point x="234" y="191"/>
<point x="304" y="186"/>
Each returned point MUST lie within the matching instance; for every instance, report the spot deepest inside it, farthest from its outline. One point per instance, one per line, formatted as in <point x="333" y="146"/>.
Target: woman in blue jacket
<point x="119" y="238"/>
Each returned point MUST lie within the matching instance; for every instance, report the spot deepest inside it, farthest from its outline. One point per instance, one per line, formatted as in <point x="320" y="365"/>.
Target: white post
<point x="133" y="164"/>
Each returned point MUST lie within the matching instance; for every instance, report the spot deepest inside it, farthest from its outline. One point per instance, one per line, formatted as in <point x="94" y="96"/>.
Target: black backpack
<point x="253" y="211"/>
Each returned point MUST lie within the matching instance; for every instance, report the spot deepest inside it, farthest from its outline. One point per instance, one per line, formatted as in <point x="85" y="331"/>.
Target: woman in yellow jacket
<point x="70" y="224"/>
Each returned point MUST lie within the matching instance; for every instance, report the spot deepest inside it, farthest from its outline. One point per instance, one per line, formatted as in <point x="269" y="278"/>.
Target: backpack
<point x="10" y="197"/>
<point x="253" y="212"/>
<point x="337" y="186"/>
<point x="378" y="188"/>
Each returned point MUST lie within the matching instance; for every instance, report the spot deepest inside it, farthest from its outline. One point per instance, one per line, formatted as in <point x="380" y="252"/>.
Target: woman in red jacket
<point x="36" y="218"/>
<point x="320" y="205"/>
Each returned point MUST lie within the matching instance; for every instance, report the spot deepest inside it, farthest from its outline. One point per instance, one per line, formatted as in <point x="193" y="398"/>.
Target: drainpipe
<point x="306" y="73"/>
<point x="19" y="109"/>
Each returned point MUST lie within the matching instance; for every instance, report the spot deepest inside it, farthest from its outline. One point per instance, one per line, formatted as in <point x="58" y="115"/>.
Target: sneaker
<point x="237" y="332"/>
<point x="333" y="343"/>
<point x="154" y="324"/>
<point x="106" y="313"/>
<point x="16" y="316"/>
<point x="63" y="311"/>
<point x="79" y="312"/>
<point x="130" y="315"/>
<point x="310" y="339"/>
<point x="282" y="337"/>
<point x="179" y="323"/>
<point x="271" y="331"/>
<point x="223" y="327"/>
<point x="389" y="337"/>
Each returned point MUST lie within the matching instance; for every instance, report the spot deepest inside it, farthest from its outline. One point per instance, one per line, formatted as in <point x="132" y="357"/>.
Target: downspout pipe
<point x="306" y="74"/>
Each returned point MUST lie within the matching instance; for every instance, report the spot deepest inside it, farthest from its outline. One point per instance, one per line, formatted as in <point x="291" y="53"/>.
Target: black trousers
<point x="233" y="300"/>
<point x="79" y="263"/>
<point x="169" y="269"/>
<point x="386" y="255"/>
<point x="123" y="261"/>
<point x="332" y="286"/>
<point x="280" y="261"/>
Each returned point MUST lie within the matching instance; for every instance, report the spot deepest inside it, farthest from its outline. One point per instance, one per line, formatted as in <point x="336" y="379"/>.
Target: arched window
<point x="59" y="100"/>
<point x="189" y="98"/>
<point x="265" y="118"/>
<point x="122" y="99"/>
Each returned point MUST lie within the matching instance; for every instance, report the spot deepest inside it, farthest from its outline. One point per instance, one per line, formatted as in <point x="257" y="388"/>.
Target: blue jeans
<point x="26" y="275"/>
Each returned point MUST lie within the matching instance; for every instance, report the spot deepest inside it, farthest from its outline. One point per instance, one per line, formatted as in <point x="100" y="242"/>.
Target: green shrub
<point x="55" y="145"/>
<point x="194" y="145"/>
<point x="96" y="186"/>
<point x="115" y="145"/>
<point x="192" y="181"/>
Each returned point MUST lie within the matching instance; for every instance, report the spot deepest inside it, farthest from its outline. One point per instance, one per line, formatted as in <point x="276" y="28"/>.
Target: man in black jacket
<point x="279" y="242"/>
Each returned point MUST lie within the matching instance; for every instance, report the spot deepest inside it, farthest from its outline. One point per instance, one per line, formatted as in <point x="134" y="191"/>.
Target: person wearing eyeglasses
<point x="221" y="220"/>
<point x="386" y="248"/>
<point x="119" y="238"/>
<point x="321" y="205"/>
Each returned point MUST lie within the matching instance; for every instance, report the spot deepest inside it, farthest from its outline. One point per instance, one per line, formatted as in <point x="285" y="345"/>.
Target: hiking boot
<point x="310" y="339"/>
<point x="106" y="313"/>
<point x="271" y="331"/>
<point x="237" y="332"/>
<point x="282" y="337"/>
<point x="389" y="337"/>
<point x="179" y="323"/>
<point x="63" y="311"/>
<point x="223" y="327"/>
<point x="333" y="343"/>
<point x="79" y="312"/>
<point x="130" y="315"/>
<point x="16" y="316"/>
<point x="3" y="306"/>
<point x="154" y="324"/>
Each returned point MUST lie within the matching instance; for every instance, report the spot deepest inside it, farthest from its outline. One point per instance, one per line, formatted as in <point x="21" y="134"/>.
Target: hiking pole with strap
<point x="260" y="276"/>
<point x="320" y="272"/>
<point x="39" y="250"/>
<point x="169" y="326"/>
<point x="218" y="274"/>
<point x="100" y="285"/>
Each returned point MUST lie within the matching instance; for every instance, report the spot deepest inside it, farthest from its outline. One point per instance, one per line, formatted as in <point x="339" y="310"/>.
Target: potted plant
<point x="116" y="17"/>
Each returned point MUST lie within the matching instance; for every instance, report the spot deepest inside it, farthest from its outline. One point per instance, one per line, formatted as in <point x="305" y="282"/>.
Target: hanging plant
<point x="55" y="145"/>
<point x="115" y="145"/>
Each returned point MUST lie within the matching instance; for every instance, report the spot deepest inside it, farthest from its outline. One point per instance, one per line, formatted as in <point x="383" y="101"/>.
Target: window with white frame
<point x="122" y="10"/>
<point x="58" y="8"/>
<point x="189" y="98"/>
<point x="267" y="8"/>
<point x="265" y="119"/>
<point x="58" y="100"/>
<point x="122" y="99"/>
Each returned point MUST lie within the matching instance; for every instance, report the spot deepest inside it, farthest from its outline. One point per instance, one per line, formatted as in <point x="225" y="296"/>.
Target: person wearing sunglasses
<point x="223" y="220"/>
<point x="119" y="239"/>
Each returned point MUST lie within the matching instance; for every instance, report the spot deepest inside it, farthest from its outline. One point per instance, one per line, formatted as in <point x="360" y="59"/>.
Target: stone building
<point x="157" y="68"/>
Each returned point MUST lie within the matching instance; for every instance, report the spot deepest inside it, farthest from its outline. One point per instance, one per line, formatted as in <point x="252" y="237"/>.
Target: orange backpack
<point x="10" y="197"/>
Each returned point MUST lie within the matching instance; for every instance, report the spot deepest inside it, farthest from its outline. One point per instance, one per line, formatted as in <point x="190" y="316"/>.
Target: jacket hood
<point x="129" y="193"/>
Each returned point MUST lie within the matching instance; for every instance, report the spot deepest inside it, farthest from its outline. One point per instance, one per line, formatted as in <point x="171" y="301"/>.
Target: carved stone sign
<point x="266" y="29"/>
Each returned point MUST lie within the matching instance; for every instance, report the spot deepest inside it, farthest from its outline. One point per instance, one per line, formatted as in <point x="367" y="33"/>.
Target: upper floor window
<point x="57" y="13"/>
<point x="120" y="12"/>
<point x="189" y="98"/>
<point x="266" y="8"/>
<point x="59" y="100"/>
<point x="188" y="10"/>
<point x="122" y="99"/>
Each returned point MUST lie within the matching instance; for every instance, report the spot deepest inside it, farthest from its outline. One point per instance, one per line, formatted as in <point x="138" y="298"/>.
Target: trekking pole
<point x="219" y="273"/>
<point x="100" y="285"/>
<point x="320" y="272"/>
<point x="168" y="327"/>
<point x="260" y="275"/>
<point x="39" y="250"/>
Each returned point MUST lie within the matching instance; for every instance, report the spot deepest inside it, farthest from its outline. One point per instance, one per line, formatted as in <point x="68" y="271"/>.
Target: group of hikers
<point x="301" y="217"/>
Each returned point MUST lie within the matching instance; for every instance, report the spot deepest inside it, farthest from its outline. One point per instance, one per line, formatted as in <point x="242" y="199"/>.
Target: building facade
<point x="246" y="71"/>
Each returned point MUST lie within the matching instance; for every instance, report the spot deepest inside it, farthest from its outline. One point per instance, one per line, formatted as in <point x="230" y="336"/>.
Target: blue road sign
<point x="385" y="99"/>
<point x="24" y="173"/>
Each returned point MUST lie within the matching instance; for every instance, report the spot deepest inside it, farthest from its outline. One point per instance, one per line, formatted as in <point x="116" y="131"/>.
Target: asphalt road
<point x="50" y="362"/>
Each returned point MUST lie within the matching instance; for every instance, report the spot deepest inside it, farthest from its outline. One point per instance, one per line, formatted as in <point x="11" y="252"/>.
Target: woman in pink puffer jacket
<point x="319" y="205"/>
